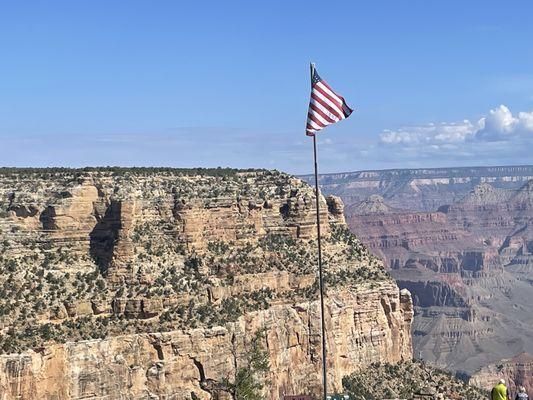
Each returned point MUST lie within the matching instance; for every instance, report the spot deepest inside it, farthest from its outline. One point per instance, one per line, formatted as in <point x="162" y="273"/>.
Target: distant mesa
<point x="525" y="194"/>
<point x="421" y="189"/>
<point x="485" y="194"/>
<point x="373" y="205"/>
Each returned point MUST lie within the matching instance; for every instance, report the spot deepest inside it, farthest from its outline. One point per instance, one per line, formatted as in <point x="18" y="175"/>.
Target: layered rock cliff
<point x="516" y="371"/>
<point x="423" y="189"/>
<point x="468" y="267"/>
<point x="135" y="284"/>
<point x="362" y="326"/>
<point x="463" y="249"/>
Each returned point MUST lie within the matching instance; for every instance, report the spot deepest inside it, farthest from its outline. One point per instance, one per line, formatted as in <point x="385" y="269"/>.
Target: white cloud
<point x="500" y="137"/>
<point x="430" y="134"/>
<point x="526" y="120"/>
<point x="498" y="125"/>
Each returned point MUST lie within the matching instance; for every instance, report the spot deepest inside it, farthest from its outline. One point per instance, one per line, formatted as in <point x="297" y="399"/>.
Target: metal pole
<point x="320" y="280"/>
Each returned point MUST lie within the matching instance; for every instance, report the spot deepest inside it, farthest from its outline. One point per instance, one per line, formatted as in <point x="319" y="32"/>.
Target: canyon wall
<point x="517" y="371"/>
<point x="423" y="189"/>
<point x="362" y="325"/>
<point x="136" y="284"/>
<point x="460" y="240"/>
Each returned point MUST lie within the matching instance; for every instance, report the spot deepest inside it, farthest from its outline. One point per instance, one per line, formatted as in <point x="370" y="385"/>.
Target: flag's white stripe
<point x="313" y="124"/>
<point x="331" y="93"/>
<point x="329" y="103"/>
<point x="319" y="117"/>
<point x="312" y="117"/>
<point x="324" y="110"/>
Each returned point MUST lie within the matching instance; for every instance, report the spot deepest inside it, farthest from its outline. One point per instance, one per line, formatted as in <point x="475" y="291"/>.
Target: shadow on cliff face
<point x="47" y="218"/>
<point x="103" y="237"/>
<point x="433" y="294"/>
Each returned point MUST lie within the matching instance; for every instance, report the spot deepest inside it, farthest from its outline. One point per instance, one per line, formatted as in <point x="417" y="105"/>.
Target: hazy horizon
<point x="245" y="168"/>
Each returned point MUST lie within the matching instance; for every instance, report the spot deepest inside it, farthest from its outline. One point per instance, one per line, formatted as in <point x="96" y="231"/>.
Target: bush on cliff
<point x="249" y="381"/>
<point x="405" y="380"/>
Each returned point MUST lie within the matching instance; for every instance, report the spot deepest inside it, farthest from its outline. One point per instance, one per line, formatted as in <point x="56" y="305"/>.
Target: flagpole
<point x="320" y="280"/>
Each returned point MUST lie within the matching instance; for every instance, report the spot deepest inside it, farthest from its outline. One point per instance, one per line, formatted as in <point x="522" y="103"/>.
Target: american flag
<point x="325" y="107"/>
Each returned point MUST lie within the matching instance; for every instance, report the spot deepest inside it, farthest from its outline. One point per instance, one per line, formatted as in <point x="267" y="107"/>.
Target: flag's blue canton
<point x="316" y="77"/>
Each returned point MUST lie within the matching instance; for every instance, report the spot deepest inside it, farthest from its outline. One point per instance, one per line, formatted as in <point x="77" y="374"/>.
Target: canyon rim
<point x="146" y="283"/>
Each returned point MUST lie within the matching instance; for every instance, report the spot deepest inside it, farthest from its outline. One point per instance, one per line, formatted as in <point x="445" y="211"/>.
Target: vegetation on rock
<point x="98" y="252"/>
<point x="408" y="380"/>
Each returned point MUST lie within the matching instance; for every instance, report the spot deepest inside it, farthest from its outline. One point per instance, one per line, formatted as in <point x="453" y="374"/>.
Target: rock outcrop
<point x="517" y="371"/>
<point x="363" y="326"/>
<point x="135" y="284"/>
<point x="374" y="204"/>
<point x="409" y="380"/>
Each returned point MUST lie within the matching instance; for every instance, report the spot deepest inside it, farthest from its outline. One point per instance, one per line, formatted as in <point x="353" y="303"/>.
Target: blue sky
<point x="215" y="83"/>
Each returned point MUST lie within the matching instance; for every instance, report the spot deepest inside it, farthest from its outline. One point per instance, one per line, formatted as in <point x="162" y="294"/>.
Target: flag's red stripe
<point x="317" y="116"/>
<point x="317" y="126"/>
<point x="310" y="131"/>
<point x="326" y="105"/>
<point x="331" y="104"/>
<point x="312" y="127"/>
<point x="331" y="109"/>
<point x="332" y="91"/>
<point x="321" y="113"/>
<point x="324" y="116"/>
<point x="335" y="100"/>
<point x="315" y="120"/>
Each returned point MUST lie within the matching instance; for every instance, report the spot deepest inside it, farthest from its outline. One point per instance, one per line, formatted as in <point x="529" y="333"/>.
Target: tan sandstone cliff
<point x="363" y="326"/>
<point x="153" y="285"/>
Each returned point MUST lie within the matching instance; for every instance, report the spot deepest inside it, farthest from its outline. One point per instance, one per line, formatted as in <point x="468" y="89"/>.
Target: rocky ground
<point x="408" y="380"/>
<point x="516" y="371"/>
<point x="143" y="283"/>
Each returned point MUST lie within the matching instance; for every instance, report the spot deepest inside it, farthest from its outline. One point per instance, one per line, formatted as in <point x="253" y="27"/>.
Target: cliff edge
<point x="141" y="283"/>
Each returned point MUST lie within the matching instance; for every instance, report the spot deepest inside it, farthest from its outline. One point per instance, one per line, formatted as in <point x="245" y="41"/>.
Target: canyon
<point x="423" y="189"/>
<point x="461" y="241"/>
<point x="183" y="284"/>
